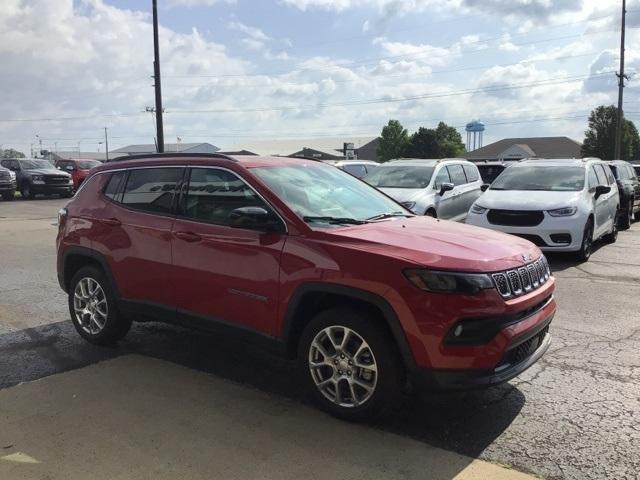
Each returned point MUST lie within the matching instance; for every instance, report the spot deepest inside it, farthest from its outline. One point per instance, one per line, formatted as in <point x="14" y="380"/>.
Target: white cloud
<point x="252" y="32"/>
<point x="196" y="3"/>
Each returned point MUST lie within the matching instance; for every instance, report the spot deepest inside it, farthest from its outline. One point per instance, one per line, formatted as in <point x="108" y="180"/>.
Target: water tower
<point x="475" y="130"/>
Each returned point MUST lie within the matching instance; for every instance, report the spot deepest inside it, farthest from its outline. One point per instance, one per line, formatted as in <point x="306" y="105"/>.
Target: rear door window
<point x="456" y="172"/>
<point x="471" y="171"/>
<point x="152" y="189"/>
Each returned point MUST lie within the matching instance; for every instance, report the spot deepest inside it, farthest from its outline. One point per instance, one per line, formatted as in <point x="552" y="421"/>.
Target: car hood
<point x="439" y="244"/>
<point x="403" y="194"/>
<point x="527" y="200"/>
<point x="46" y="171"/>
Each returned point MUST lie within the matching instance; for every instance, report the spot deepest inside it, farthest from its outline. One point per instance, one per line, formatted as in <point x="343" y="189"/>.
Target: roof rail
<point x="152" y="156"/>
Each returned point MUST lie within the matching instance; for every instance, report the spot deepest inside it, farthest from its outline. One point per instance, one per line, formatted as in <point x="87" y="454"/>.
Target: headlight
<point x="563" y="212"/>
<point x="37" y="178"/>
<point x="12" y="175"/>
<point x="70" y="179"/>
<point x="449" y="282"/>
<point x="409" y="205"/>
<point x="477" y="209"/>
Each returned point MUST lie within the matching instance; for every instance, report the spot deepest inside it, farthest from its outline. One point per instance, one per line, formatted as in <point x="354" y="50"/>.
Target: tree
<point x="441" y="142"/>
<point x="601" y="135"/>
<point x="11" y="153"/>
<point x="394" y="140"/>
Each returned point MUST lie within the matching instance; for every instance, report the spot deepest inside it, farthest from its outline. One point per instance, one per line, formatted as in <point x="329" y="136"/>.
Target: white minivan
<point x="560" y="205"/>
<point x="438" y="188"/>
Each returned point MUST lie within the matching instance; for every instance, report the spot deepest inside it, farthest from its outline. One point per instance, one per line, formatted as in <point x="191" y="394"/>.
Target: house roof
<point x="168" y="147"/>
<point x="544" y="147"/>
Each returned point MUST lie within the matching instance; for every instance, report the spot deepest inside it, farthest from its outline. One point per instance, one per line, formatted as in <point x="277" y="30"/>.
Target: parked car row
<point x="559" y="205"/>
<point x="33" y="177"/>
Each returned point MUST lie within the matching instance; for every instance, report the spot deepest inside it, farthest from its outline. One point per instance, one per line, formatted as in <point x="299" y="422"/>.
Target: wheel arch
<point x="75" y="257"/>
<point x="311" y="298"/>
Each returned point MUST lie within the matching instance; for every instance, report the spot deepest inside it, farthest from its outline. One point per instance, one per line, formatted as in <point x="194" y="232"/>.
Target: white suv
<point x="560" y="205"/>
<point x="437" y="188"/>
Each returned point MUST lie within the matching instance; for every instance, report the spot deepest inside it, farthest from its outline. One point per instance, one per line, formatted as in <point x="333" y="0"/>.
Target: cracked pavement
<point x="573" y="415"/>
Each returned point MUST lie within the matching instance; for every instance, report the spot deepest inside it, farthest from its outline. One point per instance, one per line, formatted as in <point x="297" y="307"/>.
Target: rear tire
<point x="612" y="236"/>
<point x="350" y="364"/>
<point x="93" y="308"/>
<point x="587" y="243"/>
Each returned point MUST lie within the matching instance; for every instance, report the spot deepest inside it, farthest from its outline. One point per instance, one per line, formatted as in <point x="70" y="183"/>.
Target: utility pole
<point x="106" y="145"/>
<point x="621" y="78"/>
<point x="156" y="75"/>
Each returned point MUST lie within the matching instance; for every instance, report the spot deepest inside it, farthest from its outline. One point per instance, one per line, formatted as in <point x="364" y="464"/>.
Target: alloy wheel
<point x="587" y="240"/>
<point x="90" y="306"/>
<point x="343" y="366"/>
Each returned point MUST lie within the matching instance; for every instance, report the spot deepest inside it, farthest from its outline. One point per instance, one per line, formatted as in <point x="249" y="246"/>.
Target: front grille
<point x="515" y="218"/>
<point x="516" y="282"/>
<point x="56" y="180"/>
<point x="4" y="176"/>
<point x="523" y="351"/>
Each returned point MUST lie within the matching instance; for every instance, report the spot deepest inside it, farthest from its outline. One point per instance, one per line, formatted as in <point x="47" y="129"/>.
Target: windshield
<point x="544" y="178"/>
<point x="33" y="164"/>
<point x="400" y="177"/>
<point x="87" y="164"/>
<point x="321" y="191"/>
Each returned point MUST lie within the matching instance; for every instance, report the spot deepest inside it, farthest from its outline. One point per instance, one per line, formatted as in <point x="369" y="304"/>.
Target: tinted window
<point x="151" y="189"/>
<point x="593" y="179"/>
<point x="610" y="176"/>
<point x="34" y="164"/>
<point x="442" y="177"/>
<point x="471" y="173"/>
<point x="400" y="176"/>
<point x="540" y="178"/>
<point x="490" y="172"/>
<point x="88" y="164"/>
<point x="213" y="194"/>
<point x="618" y="172"/>
<point x="457" y="175"/>
<point x="355" y="170"/>
<point x="114" y="186"/>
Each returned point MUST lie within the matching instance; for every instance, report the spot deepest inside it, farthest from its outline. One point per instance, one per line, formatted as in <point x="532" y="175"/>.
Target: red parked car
<point x="78" y="169"/>
<point x="310" y="261"/>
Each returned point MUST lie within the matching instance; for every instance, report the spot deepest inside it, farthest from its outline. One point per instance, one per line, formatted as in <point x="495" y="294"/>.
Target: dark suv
<point x="35" y="176"/>
<point x="309" y="261"/>
<point x="7" y="183"/>
<point x="629" y="189"/>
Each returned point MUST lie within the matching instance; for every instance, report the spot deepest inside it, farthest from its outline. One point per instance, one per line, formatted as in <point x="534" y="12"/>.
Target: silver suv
<point x="438" y="188"/>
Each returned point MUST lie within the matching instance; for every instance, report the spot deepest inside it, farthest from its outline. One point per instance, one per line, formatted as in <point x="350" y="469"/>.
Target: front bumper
<point x="51" y="189"/>
<point x="522" y="353"/>
<point x="544" y="234"/>
<point x="7" y="187"/>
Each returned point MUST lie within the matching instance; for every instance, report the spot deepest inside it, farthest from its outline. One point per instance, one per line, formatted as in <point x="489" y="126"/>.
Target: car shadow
<point x="559" y="262"/>
<point x="465" y="423"/>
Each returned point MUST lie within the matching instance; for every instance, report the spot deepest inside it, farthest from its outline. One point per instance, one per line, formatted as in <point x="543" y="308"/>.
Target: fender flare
<point x="389" y="315"/>
<point x="75" y="250"/>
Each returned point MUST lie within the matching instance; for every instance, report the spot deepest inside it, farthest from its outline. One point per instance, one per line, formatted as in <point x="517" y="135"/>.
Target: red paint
<point x="248" y="278"/>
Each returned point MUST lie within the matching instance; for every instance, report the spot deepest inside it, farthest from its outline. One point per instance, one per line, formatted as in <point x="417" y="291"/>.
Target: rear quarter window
<point x="113" y="189"/>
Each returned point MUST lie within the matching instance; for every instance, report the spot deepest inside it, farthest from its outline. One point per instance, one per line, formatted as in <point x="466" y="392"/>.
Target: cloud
<point x="252" y="32"/>
<point x="196" y="3"/>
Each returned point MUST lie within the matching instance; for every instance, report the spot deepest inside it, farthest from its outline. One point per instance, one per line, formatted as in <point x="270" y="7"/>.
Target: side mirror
<point x="602" y="189"/>
<point x="485" y="187"/>
<point x="255" y="218"/>
<point x="446" y="187"/>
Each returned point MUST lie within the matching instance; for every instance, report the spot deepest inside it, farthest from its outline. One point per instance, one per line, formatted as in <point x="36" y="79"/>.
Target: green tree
<point x="11" y="153"/>
<point x="393" y="141"/>
<point x="441" y="142"/>
<point x="600" y="137"/>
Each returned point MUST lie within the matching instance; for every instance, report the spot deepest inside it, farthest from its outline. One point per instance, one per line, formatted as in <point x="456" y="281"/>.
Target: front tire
<point x="26" y="191"/>
<point x="587" y="242"/>
<point x="93" y="308"/>
<point x="612" y="236"/>
<point x="350" y="364"/>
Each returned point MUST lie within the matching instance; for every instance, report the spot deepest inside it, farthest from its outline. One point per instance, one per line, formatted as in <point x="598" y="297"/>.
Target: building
<point x="368" y="151"/>
<point x="317" y="154"/>
<point x="168" y="147"/>
<point x="519" y="148"/>
<point x="76" y="155"/>
<point x="239" y="153"/>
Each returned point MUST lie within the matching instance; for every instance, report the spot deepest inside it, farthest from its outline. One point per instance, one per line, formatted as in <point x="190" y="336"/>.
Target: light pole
<point x="156" y="75"/>
<point x="621" y="78"/>
<point x="106" y="144"/>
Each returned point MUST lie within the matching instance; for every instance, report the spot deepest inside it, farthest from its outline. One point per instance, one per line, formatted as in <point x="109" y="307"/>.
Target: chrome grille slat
<point x="517" y="282"/>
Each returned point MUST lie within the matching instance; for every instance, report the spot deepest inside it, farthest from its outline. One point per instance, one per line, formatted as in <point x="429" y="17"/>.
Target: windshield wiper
<point x="384" y="216"/>
<point x="335" y="220"/>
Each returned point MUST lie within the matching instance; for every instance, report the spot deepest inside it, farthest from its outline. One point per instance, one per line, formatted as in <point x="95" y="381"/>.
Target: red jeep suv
<point x="310" y="261"/>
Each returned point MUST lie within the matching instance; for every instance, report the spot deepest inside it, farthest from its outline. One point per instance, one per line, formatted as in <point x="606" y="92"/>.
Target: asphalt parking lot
<point x="164" y="391"/>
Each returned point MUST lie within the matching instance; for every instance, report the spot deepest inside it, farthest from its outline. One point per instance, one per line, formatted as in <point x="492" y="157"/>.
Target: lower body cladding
<point x="554" y="234"/>
<point x="512" y="343"/>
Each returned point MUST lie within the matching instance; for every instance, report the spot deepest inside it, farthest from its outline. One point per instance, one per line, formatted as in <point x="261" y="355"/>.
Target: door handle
<point x="188" y="236"/>
<point x="112" y="222"/>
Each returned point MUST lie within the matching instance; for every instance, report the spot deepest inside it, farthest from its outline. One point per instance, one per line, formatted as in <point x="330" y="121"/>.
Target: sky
<point x="239" y="72"/>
